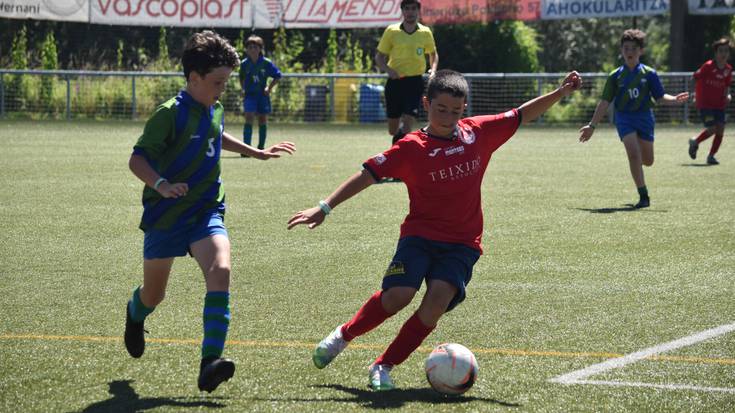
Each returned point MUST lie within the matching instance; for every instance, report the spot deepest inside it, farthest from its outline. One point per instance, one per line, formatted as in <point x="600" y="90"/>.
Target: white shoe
<point x="329" y="348"/>
<point x="379" y="376"/>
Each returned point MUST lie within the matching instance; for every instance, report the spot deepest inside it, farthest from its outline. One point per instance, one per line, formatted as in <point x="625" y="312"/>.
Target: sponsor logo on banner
<point x="711" y="7"/>
<point x="60" y="10"/>
<point x="478" y="11"/>
<point x="341" y="13"/>
<point x="574" y="9"/>
<point x="197" y="13"/>
<point x="269" y="14"/>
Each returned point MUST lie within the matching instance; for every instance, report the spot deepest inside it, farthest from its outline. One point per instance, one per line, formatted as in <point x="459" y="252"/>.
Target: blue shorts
<point x="418" y="258"/>
<point x="712" y="117"/>
<point x="175" y="242"/>
<point x="641" y="123"/>
<point x="257" y="103"/>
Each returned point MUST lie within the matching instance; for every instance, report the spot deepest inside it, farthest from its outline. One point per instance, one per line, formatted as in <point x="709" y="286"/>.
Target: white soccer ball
<point x="451" y="368"/>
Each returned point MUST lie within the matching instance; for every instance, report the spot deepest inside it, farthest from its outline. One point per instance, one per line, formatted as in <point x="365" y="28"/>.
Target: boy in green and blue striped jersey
<point x="178" y="158"/>
<point x="255" y="70"/>
<point x="634" y="88"/>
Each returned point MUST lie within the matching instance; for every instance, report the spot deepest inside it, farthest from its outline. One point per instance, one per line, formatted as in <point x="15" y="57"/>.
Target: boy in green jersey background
<point x="178" y="158"/>
<point x="255" y="70"/>
<point x="634" y="88"/>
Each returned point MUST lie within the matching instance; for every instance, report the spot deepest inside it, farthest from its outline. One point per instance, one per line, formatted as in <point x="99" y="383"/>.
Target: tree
<point x="501" y="46"/>
<point x="49" y="61"/>
<point x="330" y="65"/>
<point x="19" y="52"/>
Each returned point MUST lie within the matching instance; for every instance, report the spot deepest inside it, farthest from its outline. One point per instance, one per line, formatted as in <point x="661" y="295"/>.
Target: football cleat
<point x="329" y="348"/>
<point x="379" y="376"/>
<point x="712" y="161"/>
<point x="693" y="146"/>
<point x="134" y="339"/>
<point x="643" y="203"/>
<point x="214" y="371"/>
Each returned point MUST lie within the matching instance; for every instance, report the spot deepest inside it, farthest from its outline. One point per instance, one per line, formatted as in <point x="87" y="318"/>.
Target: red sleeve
<point x="728" y="81"/>
<point x="702" y="70"/>
<point x="698" y="74"/>
<point x="391" y="163"/>
<point x="494" y="130"/>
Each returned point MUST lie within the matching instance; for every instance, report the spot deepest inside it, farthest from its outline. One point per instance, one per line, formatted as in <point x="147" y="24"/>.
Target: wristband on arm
<point x="325" y="207"/>
<point x="158" y="183"/>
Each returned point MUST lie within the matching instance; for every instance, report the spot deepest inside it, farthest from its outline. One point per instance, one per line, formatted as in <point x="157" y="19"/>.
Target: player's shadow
<point x="396" y="399"/>
<point x="125" y="399"/>
<point x="624" y="208"/>
<point x="697" y="165"/>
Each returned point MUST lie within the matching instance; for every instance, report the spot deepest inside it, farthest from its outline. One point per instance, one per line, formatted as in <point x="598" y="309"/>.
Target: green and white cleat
<point x="379" y="375"/>
<point x="329" y="348"/>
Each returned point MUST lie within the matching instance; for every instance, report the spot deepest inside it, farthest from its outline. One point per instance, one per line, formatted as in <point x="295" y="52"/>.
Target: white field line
<point x="656" y="386"/>
<point x="579" y="376"/>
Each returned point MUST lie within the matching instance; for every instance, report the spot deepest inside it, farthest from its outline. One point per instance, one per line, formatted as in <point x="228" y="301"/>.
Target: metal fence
<point x="303" y="97"/>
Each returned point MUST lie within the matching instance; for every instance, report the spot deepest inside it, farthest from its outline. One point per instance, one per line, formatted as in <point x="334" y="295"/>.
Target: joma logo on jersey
<point x="457" y="171"/>
<point x="434" y="152"/>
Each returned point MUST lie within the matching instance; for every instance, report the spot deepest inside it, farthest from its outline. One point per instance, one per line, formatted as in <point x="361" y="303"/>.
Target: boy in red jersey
<point x="713" y="81"/>
<point x="442" y="166"/>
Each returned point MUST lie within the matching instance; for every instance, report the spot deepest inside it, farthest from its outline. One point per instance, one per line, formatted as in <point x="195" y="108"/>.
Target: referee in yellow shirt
<point x="402" y="55"/>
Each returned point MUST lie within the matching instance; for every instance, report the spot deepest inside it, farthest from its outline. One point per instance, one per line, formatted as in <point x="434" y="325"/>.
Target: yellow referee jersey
<point x="407" y="52"/>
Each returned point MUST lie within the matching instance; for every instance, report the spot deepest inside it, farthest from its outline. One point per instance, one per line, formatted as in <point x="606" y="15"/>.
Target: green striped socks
<point x="216" y="323"/>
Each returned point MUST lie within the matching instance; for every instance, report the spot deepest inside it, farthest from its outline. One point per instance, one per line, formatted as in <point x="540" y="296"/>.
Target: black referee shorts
<point x="403" y="96"/>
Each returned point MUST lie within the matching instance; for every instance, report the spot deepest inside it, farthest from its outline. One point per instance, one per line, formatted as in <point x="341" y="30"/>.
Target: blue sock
<point x="216" y="323"/>
<point x="138" y="310"/>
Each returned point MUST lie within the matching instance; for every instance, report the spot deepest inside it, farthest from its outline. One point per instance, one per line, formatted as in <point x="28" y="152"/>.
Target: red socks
<point x="369" y="316"/>
<point x="715" y="145"/>
<point x="703" y="136"/>
<point x="410" y="337"/>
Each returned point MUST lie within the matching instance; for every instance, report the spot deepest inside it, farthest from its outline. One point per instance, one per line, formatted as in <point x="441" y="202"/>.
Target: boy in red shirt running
<point x="713" y="81"/>
<point x="442" y="166"/>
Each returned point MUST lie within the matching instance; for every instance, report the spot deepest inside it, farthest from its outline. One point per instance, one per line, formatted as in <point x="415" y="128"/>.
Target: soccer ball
<point x="451" y="368"/>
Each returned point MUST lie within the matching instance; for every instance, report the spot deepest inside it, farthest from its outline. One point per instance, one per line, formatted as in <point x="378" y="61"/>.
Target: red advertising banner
<point x="482" y="11"/>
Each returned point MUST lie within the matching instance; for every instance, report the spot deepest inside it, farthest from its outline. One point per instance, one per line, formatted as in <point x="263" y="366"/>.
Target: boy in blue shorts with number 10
<point x="634" y="88"/>
<point x="178" y="158"/>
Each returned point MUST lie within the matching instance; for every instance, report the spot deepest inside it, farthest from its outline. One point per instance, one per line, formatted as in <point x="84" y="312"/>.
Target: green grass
<point x="569" y="278"/>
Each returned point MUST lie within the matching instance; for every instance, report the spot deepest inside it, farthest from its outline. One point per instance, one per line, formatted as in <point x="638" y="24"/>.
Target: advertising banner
<point x="711" y="7"/>
<point x="575" y="9"/>
<point x="472" y="11"/>
<point x="340" y="13"/>
<point x="261" y="14"/>
<point x="59" y="10"/>
<point x="192" y="13"/>
<point x="344" y="14"/>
